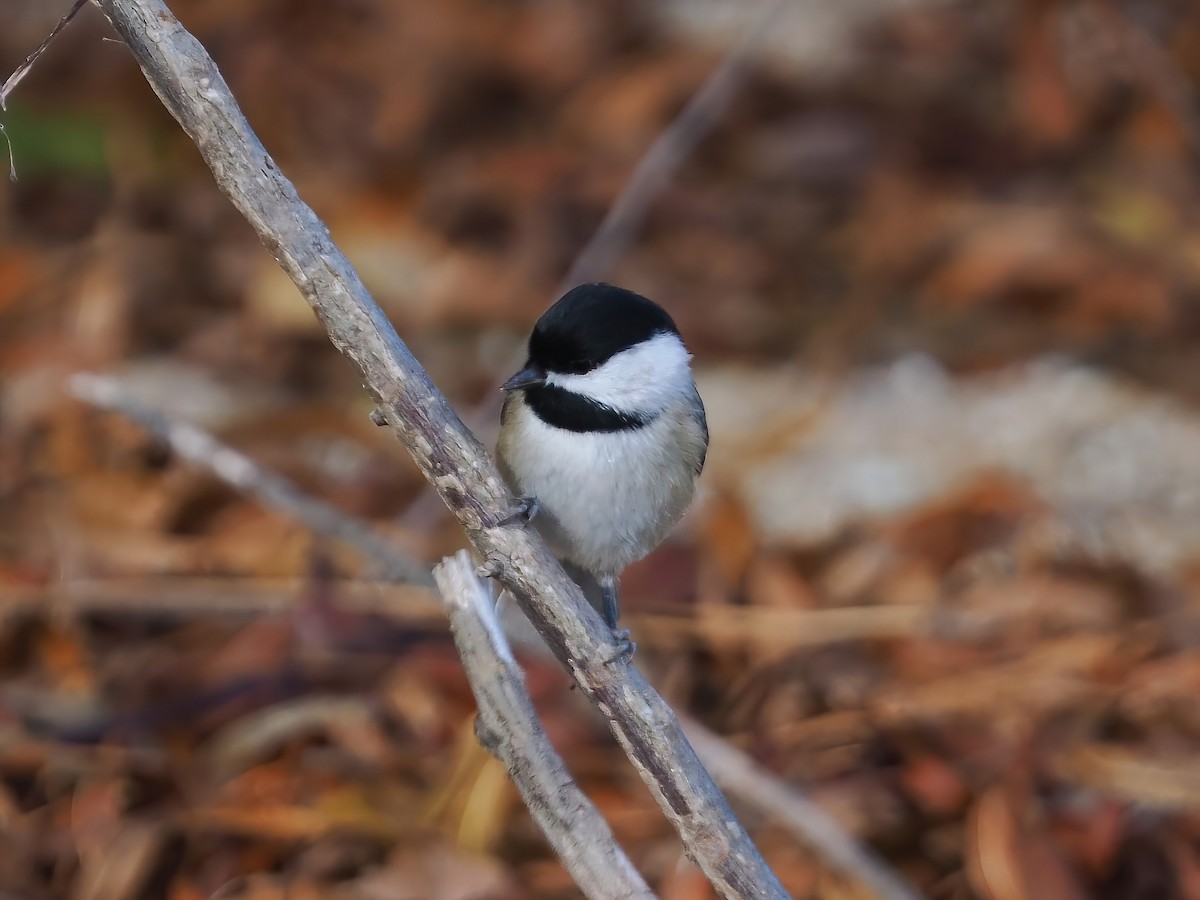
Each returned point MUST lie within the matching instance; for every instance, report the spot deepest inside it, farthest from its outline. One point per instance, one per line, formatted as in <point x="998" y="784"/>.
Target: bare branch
<point x="451" y="458"/>
<point x="740" y="775"/>
<point x="770" y="795"/>
<point x="508" y="725"/>
<point x="22" y="70"/>
<point x="12" y="159"/>
<point x="246" y="475"/>
<point x="670" y="149"/>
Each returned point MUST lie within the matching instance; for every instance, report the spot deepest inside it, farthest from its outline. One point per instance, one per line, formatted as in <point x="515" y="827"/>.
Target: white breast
<point x="607" y="498"/>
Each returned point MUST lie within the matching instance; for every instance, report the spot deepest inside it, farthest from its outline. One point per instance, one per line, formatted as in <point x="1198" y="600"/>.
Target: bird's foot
<point x="523" y="509"/>
<point x="625" y="646"/>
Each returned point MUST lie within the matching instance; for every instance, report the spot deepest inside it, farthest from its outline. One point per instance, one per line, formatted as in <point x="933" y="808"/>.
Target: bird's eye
<point x="582" y="366"/>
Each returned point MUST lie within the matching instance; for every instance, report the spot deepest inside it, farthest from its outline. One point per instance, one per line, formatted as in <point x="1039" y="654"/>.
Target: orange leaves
<point x="946" y="586"/>
<point x="1008" y="856"/>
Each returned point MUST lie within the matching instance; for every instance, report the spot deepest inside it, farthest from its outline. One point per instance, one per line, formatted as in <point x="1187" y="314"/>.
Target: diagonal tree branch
<point x="187" y="81"/>
<point x="508" y="726"/>
<point x="733" y="769"/>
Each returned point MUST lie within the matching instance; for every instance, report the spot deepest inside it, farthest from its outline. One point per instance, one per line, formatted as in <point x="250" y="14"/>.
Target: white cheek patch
<point x="643" y="379"/>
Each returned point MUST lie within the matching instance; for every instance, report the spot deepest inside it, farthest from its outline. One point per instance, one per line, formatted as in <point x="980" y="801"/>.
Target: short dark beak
<point x="528" y="377"/>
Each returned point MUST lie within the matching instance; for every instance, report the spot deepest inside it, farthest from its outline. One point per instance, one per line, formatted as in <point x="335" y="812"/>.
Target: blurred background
<point x="939" y="265"/>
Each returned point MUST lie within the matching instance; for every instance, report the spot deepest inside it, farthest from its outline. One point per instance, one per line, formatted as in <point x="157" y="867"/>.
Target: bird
<point x="602" y="436"/>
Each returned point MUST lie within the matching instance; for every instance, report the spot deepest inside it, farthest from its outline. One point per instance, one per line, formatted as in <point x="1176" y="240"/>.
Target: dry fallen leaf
<point x="993" y="853"/>
<point x="121" y="870"/>
<point x="1137" y="777"/>
<point x="941" y="301"/>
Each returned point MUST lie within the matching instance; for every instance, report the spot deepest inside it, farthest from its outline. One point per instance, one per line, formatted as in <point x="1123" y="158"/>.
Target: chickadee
<point x="603" y="434"/>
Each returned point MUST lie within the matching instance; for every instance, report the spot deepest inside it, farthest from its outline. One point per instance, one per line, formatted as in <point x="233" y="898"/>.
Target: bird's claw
<point x="625" y="646"/>
<point x="523" y="509"/>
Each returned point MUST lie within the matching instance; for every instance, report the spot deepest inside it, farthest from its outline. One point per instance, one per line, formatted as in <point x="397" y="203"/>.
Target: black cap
<point x="591" y="323"/>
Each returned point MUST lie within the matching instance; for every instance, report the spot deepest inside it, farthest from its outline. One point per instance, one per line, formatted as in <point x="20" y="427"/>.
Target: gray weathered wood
<point x="508" y="725"/>
<point x="187" y="81"/>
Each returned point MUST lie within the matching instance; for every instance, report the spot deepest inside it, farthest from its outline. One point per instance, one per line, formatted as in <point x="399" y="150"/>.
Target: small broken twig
<point x="22" y="70"/>
<point x="12" y="159"/>
<point x="509" y="727"/>
<point x="239" y="470"/>
<point x="18" y="76"/>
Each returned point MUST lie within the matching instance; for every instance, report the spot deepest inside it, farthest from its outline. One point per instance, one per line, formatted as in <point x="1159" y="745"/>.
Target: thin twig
<point x="650" y="177"/>
<point x="657" y="168"/>
<point x="505" y="716"/>
<point x="508" y="726"/>
<point x="22" y="70"/>
<point x="12" y="158"/>
<point x="771" y="796"/>
<point x="451" y="458"/>
<point x="237" y="469"/>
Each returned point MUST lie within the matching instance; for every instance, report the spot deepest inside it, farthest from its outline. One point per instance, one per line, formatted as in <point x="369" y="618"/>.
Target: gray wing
<point x="697" y="412"/>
